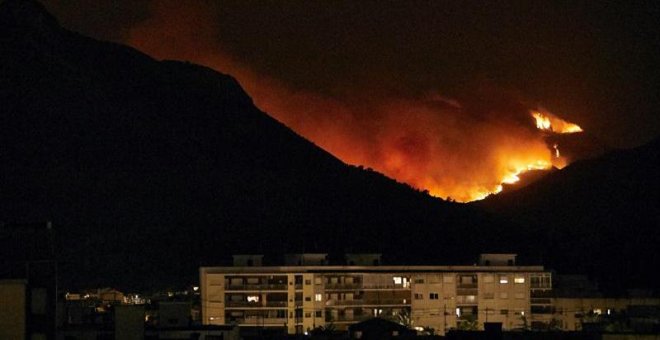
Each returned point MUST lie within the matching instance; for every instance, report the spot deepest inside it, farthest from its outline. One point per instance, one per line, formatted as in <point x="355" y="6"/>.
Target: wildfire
<point x="462" y="149"/>
<point x="550" y="122"/>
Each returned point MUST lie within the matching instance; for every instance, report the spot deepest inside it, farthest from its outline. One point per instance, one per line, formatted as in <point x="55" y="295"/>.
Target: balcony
<point x="342" y="286"/>
<point x="257" y="321"/>
<point x="472" y="285"/>
<point x="381" y="302"/>
<point x="257" y="287"/>
<point x="385" y="286"/>
<point x="467" y="291"/>
<point x="244" y="304"/>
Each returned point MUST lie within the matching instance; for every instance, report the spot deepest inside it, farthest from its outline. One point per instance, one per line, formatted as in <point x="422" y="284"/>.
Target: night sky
<point x="595" y="63"/>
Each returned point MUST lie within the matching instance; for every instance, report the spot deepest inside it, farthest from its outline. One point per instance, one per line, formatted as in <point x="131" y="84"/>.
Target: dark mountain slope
<point x="599" y="216"/>
<point x="149" y="169"/>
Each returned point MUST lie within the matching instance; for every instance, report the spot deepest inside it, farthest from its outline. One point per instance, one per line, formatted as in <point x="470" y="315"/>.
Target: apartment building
<point x="306" y="293"/>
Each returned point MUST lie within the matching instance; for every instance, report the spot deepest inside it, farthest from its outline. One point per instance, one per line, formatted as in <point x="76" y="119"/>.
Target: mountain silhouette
<point x="149" y="169"/>
<point x="599" y="216"/>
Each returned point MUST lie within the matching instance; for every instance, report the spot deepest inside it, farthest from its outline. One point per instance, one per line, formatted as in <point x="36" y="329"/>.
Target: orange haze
<point x="463" y="148"/>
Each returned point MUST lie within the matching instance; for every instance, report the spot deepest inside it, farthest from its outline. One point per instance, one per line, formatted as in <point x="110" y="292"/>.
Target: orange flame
<point x="464" y="150"/>
<point x="550" y="122"/>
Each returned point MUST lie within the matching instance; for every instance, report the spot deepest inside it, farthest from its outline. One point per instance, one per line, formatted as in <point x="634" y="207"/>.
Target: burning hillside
<point x="463" y="148"/>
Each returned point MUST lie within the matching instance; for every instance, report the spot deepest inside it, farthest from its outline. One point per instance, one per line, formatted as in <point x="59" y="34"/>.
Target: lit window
<point x="598" y="311"/>
<point x="398" y="280"/>
<point x="318" y="297"/>
<point x="253" y="298"/>
<point x="458" y="312"/>
<point x="504" y="279"/>
<point x="519" y="279"/>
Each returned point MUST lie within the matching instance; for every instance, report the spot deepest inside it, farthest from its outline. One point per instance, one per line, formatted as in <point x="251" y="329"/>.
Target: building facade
<point x="298" y="298"/>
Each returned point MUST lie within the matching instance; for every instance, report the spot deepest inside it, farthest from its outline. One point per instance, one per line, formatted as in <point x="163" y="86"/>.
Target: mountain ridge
<point x="149" y="168"/>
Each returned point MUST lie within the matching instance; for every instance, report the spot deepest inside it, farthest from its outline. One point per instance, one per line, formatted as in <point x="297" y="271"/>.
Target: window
<point x="318" y="281"/>
<point x="433" y="296"/>
<point x="308" y="298"/>
<point x="419" y="296"/>
<point x="597" y="311"/>
<point x="504" y="295"/>
<point x="253" y="298"/>
<point x="419" y="280"/>
<point x="504" y="311"/>
<point x="308" y="282"/>
<point x="318" y="314"/>
<point x="519" y="279"/>
<point x="448" y="279"/>
<point x="488" y="278"/>
<point x="308" y="315"/>
<point x="520" y="296"/>
<point x="318" y="297"/>
<point x="504" y="279"/>
<point x="489" y="296"/>
<point x="397" y="280"/>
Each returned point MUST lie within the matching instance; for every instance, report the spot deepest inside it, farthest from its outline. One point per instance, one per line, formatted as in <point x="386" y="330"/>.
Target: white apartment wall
<point x="439" y="313"/>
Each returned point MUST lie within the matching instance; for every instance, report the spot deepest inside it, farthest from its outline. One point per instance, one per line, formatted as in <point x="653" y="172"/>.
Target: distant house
<point x="378" y="328"/>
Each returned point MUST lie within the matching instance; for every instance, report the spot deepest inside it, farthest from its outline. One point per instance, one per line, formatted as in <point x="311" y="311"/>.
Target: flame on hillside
<point x="548" y="121"/>
<point x="461" y="148"/>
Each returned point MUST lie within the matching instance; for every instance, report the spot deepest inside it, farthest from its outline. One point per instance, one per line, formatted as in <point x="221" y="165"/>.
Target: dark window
<point x="319" y="314"/>
<point x="250" y="263"/>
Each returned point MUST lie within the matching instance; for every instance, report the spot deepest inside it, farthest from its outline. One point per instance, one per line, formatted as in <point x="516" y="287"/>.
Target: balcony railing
<point x="340" y="286"/>
<point x="256" y="321"/>
<point x="467" y="285"/>
<point x="385" y="286"/>
<point x="257" y="287"/>
<point x="243" y="304"/>
<point x="256" y="304"/>
<point x="369" y="302"/>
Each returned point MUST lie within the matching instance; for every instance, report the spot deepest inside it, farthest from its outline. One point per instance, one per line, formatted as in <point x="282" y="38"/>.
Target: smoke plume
<point x="462" y="146"/>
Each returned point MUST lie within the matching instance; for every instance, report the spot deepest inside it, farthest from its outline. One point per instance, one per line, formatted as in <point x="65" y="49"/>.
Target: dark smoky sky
<point x="594" y="63"/>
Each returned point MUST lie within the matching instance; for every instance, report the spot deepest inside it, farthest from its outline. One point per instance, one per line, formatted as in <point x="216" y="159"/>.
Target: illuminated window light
<point x="504" y="279"/>
<point x="519" y="280"/>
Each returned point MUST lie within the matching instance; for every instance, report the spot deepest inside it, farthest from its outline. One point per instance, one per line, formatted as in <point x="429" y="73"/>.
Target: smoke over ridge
<point x="462" y="146"/>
